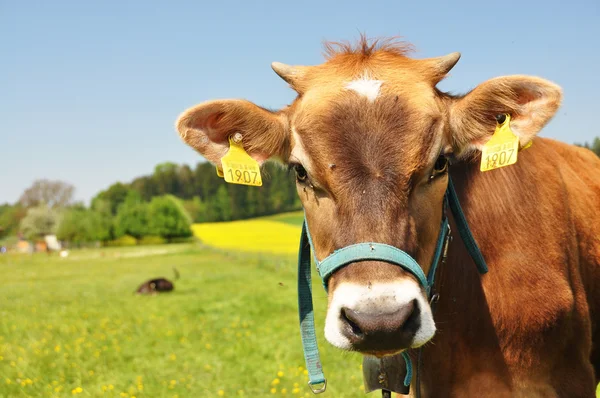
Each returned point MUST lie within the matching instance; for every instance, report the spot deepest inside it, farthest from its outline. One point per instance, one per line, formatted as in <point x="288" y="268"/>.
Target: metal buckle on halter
<point x="318" y="390"/>
<point x="446" y="244"/>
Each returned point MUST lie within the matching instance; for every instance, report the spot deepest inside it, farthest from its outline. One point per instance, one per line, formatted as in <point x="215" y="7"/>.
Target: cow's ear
<point x="207" y="127"/>
<point x="530" y="101"/>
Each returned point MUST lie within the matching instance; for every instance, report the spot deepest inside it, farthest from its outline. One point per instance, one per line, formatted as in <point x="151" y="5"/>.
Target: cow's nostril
<point x="381" y="331"/>
<point x="347" y="316"/>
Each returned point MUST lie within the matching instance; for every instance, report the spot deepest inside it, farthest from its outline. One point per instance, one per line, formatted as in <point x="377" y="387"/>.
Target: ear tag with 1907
<point x="238" y="166"/>
<point x="501" y="150"/>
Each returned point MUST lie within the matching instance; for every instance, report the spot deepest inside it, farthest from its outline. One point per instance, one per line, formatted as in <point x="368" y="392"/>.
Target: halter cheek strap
<point x="371" y="251"/>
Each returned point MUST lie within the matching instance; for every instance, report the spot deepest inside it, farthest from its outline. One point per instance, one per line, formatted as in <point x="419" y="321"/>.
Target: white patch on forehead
<point x="365" y="86"/>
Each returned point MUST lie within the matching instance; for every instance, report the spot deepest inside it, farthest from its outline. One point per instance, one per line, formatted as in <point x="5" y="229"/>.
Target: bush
<point x="168" y="218"/>
<point x="125" y="240"/>
<point x="152" y="240"/>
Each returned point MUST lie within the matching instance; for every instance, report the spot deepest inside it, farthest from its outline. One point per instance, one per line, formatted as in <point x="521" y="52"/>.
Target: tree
<point x="81" y="225"/>
<point x="220" y="205"/>
<point x="114" y="196"/>
<point x="132" y="219"/>
<point x="10" y="218"/>
<point x="168" y="218"/>
<point x="196" y="208"/>
<point x="55" y="194"/>
<point x="39" y="221"/>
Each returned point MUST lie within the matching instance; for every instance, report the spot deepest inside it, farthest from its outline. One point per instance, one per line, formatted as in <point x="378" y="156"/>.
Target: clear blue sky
<point x="89" y="91"/>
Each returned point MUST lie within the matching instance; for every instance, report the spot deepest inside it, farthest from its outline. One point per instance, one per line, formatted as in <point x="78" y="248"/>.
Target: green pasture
<point x="73" y="327"/>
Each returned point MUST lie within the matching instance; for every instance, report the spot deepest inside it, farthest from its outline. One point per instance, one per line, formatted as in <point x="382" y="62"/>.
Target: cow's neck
<point x="466" y="344"/>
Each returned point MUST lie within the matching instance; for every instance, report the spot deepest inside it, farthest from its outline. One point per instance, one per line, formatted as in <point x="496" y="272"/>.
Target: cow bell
<point x="385" y="374"/>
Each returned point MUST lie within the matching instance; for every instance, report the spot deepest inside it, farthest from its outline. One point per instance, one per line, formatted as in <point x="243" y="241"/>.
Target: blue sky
<point x="89" y="91"/>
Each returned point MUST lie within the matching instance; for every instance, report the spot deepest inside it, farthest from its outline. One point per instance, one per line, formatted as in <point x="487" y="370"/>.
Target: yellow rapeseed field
<point x="257" y="235"/>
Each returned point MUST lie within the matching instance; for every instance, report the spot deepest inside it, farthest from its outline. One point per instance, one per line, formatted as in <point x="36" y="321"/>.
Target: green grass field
<point x="72" y="326"/>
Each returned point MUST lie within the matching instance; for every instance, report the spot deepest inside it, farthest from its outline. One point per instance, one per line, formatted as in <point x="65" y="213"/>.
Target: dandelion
<point x="8" y="381"/>
<point x="296" y="390"/>
<point x="361" y="388"/>
<point x="280" y="374"/>
<point x="172" y="357"/>
<point x="111" y="387"/>
<point x="77" y="390"/>
<point x="91" y="372"/>
<point x="275" y="381"/>
<point x="273" y="391"/>
<point x="283" y="391"/>
<point x="124" y="394"/>
<point x="57" y="348"/>
<point x="220" y="393"/>
<point x="305" y="372"/>
<point x="104" y="388"/>
<point x="208" y="346"/>
<point x="58" y="389"/>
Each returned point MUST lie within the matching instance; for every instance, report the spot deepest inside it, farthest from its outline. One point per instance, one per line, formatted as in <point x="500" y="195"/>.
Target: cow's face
<point x="369" y="137"/>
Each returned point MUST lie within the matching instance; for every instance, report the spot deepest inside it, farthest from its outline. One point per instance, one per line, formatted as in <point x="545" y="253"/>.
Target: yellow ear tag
<point x="501" y="150"/>
<point x="238" y="166"/>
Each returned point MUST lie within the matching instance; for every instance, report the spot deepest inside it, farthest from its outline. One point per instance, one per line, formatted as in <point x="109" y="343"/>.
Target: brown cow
<point x="369" y="137"/>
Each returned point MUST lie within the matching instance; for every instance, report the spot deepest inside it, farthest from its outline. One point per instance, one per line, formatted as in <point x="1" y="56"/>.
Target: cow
<point x="158" y="285"/>
<point x="373" y="143"/>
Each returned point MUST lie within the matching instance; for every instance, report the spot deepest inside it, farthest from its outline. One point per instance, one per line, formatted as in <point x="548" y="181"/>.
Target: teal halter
<point x="378" y="252"/>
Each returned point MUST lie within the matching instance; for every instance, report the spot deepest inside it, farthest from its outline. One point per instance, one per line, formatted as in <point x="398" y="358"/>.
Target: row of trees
<point x="205" y="196"/>
<point x="160" y="205"/>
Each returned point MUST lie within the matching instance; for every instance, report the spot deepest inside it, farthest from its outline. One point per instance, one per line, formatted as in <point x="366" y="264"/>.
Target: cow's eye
<point x="301" y="174"/>
<point x="440" y="167"/>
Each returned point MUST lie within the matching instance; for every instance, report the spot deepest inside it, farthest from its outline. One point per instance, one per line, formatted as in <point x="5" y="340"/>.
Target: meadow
<point x="73" y="327"/>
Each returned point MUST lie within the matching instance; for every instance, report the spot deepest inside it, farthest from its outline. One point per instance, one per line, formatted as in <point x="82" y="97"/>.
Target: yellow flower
<point x="57" y="348"/>
<point x="207" y="346"/>
<point x="91" y="372"/>
<point x="220" y="393"/>
<point x="111" y="387"/>
<point x="283" y="391"/>
<point x="280" y="374"/>
<point x="77" y="390"/>
<point x="273" y="391"/>
<point x="361" y="388"/>
<point x="296" y="390"/>
<point x="305" y="372"/>
<point x="58" y="388"/>
<point x="172" y="357"/>
<point x="8" y="381"/>
<point x="104" y="388"/>
<point x="275" y="382"/>
<point x="140" y="387"/>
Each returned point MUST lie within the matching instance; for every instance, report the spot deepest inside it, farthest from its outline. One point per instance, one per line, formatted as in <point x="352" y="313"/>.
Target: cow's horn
<point x="291" y="74"/>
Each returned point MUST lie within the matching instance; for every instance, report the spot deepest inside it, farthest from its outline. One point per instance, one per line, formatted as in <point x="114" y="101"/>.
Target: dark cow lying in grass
<point x="158" y="285"/>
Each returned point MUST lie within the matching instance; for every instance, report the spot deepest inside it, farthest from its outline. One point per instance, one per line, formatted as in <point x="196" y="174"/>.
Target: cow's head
<point x="368" y="137"/>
